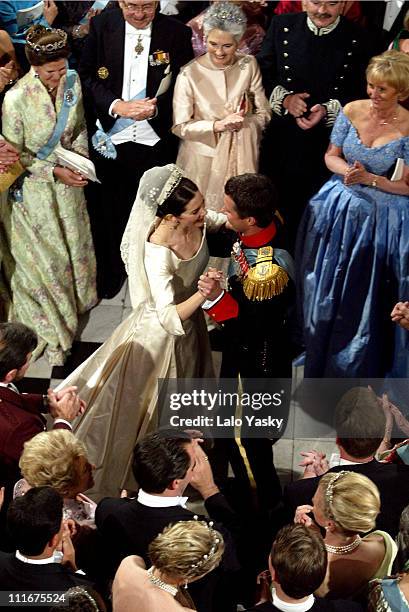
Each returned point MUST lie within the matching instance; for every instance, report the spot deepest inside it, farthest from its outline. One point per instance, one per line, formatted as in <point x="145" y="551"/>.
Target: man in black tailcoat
<point x="128" y="69"/>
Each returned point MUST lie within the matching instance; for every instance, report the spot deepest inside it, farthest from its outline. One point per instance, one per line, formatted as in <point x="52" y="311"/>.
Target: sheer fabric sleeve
<point x="340" y="130"/>
<point x="214" y="220"/>
<point x="159" y="271"/>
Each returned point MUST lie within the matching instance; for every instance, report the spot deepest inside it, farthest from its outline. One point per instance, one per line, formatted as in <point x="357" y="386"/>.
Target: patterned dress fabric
<point x="353" y="255"/>
<point x="49" y="261"/>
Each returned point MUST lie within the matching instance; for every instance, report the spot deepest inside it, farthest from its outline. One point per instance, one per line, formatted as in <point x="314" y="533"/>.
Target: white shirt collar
<point x="131" y="31"/>
<point x="159" y="501"/>
<point x="24" y="559"/>
<point x="322" y="31"/>
<point x="10" y="386"/>
<point x="284" y="606"/>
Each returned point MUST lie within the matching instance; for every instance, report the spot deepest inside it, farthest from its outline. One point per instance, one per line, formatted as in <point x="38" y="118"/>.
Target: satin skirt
<point x="352" y="263"/>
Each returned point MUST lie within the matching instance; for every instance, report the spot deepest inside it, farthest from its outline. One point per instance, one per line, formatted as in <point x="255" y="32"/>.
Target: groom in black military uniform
<point x="128" y="69"/>
<point x="255" y="314"/>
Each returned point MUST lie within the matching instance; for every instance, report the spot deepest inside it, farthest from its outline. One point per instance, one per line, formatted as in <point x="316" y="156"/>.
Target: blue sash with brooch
<point x="102" y="141"/>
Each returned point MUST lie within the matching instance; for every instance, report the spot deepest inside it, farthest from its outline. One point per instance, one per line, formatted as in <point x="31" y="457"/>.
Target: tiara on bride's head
<point x="159" y="197"/>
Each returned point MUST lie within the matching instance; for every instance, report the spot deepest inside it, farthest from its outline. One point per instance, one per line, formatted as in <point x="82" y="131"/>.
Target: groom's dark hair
<point x="160" y="458"/>
<point x="254" y="195"/>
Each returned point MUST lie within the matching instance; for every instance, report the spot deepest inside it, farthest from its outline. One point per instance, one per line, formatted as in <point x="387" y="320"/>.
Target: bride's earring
<point x="175" y="226"/>
<point x="36" y="75"/>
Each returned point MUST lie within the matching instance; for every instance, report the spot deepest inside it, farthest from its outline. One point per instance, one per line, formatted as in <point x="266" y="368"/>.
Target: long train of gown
<point x="353" y="259"/>
<point x="119" y="381"/>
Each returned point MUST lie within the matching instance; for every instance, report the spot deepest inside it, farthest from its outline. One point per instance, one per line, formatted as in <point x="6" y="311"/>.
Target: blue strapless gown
<point x="353" y="267"/>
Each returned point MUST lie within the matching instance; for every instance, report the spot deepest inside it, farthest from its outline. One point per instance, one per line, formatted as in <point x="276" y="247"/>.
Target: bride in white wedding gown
<point x="165" y="251"/>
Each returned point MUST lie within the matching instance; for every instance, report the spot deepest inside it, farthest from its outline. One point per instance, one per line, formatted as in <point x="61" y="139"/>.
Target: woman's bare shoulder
<point x="354" y="110"/>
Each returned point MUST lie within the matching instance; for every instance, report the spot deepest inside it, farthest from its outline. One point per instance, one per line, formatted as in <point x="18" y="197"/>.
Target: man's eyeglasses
<point x="136" y="8"/>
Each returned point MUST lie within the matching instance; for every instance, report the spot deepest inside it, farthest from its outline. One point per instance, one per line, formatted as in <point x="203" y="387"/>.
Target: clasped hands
<point x="231" y="123"/>
<point x="400" y="314"/>
<point x="136" y="109"/>
<point x="209" y="284"/>
<point x="295" y="104"/>
<point x="356" y="174"/>
<point x="65" y="404"/>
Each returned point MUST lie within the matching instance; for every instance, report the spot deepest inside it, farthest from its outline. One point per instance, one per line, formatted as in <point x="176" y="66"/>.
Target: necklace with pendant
<point x="387" y="121"/>
<point x="139" y="46"/>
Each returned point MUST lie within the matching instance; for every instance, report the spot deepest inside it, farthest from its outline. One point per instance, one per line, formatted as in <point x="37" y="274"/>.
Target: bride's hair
<point x="180" y="197"/>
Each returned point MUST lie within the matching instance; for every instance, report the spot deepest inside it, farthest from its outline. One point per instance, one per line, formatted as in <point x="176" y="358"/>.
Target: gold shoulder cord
<point x="266" y="279"/>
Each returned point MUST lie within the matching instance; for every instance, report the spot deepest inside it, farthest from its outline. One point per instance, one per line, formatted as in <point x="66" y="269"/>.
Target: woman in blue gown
<point x="353" y="248"/>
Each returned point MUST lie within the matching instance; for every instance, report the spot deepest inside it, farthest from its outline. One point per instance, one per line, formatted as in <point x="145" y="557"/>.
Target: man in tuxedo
<point x="298" y="564"/>
<point x="35" y="522"/>
<point x="164" y="464"/>
<point x="129" y="66"/>
<point x="360" y="426"/>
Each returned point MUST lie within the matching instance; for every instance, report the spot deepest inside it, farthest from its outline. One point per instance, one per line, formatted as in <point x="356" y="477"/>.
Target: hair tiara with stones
<point x="38" y="31"/>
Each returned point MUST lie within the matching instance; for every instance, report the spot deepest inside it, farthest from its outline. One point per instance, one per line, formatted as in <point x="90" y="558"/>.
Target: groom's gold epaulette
<point x="266" y="279"/>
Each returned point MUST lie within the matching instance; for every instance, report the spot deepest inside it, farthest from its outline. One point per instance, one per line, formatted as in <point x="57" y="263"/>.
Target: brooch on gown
<point x="103" y="144"/>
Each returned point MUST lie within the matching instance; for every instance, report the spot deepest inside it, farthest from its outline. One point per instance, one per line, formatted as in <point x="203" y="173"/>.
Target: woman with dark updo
<point x="50" y="264"/>
<point x="164" y="250"/>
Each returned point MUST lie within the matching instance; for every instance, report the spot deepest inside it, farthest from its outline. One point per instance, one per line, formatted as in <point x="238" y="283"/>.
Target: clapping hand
<point x="8" y="155"/>
<point x="357" y="174"/>
<point x="315" y="464"/>
<point x="136" y="109"/>
<point x="7" y="74"/>
<point x="231" y="123"/>
<point x="50" y="11"/>
<point x="317" y="113"/>
<point x="400" y="314"/>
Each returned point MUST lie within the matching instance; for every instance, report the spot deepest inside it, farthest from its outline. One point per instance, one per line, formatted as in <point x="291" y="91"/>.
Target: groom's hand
<point x="209" y="287"/>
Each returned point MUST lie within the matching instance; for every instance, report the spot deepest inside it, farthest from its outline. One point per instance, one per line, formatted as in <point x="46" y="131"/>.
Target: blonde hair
<point x="51" y="458"/>
<point x="351" y="500"/>
<point x="392" y="67"/>
<point x="187" y="550"/>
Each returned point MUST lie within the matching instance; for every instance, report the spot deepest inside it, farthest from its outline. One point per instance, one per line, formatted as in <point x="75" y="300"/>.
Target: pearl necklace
<point x="343" y="550"/>
<point x="161" y="584"/>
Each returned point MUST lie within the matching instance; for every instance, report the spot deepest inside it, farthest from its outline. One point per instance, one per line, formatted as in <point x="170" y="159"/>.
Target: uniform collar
<point x="264" y="236"/>
<point x="322" y="31"/>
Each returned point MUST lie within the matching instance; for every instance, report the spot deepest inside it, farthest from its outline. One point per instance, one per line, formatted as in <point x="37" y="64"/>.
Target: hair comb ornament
<point x="213" y="547"/>
<point x="329" y="493"/>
